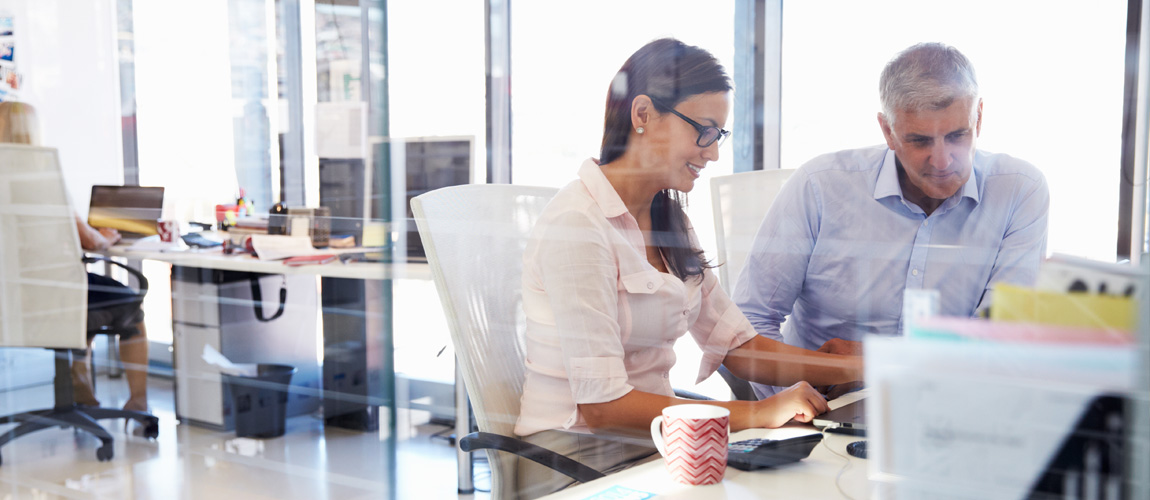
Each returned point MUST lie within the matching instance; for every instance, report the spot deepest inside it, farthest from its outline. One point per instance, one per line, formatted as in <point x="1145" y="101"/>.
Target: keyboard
<point x="754" y="454"/>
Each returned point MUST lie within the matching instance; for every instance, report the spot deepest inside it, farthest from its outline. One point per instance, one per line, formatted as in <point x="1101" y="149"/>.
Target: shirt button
<point x="924" y="222"/>
<point x="686" y="312"/>
<point x="650" y="285"/>
<point x="914" y="272"/>
<point x="665" y="375"/>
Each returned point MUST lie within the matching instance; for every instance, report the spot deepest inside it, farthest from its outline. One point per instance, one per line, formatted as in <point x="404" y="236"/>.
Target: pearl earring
<point x="639" y="130"/>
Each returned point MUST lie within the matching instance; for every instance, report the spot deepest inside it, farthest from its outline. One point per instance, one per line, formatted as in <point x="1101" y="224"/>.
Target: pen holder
<point x="299" y="221"/>
<point x="321" y="227"/>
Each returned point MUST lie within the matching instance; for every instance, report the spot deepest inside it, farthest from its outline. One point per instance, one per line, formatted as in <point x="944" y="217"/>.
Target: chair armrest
<point x="739" y="387"/>
<point x="543" y="456"/>
<point x="92" y="259"/>
<point x="685" y="394"/>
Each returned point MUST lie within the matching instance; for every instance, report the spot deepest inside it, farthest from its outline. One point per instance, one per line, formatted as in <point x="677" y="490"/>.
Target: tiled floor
<point x="309" y="462"/>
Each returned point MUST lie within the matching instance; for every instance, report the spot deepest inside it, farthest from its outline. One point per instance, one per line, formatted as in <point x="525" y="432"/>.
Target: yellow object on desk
<point x="375" y="234"/>
<point x="1019" y="304"/>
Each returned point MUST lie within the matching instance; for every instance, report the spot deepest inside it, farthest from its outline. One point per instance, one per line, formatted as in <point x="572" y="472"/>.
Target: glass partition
<point x="1050" y="99"/>
<point x="353" y="107"/>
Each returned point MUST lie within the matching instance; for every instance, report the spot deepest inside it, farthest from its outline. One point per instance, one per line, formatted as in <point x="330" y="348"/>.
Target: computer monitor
<point x="420" y="165"/>
<point x="132" y="210"/>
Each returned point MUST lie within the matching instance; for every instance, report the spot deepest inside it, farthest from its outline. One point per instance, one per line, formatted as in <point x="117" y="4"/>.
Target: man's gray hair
<point x="929" y="76"/>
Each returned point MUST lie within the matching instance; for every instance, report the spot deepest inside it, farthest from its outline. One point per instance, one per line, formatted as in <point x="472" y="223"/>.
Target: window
<point x="563" y="57"/>
<point x="1051" y="99"/>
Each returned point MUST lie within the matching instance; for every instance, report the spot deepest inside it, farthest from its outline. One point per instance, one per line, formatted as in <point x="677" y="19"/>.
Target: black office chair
<point x="740" y="388"/>
<point x="126" y="327"/>
<point x="66" y="413"/>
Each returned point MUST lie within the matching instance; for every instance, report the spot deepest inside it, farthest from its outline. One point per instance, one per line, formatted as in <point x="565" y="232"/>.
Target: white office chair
<point x="474" y="236"/>
<point x="44" y="288"/>
<point x="739" y="203"/>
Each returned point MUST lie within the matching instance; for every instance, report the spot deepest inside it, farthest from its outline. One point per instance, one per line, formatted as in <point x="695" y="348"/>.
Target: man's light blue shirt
<point x="840" y="244"/>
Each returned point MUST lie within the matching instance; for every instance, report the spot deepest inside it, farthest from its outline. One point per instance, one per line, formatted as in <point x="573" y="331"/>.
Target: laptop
<point x="849" y="418"/>
<point x="131" y="210"/>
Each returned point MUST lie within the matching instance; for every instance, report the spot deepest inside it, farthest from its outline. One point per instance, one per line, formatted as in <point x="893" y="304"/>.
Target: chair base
<point x="67" y="413"/>
<point x="489" y="441"/>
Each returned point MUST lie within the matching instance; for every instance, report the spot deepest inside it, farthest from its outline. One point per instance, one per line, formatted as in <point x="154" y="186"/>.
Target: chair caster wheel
<point x="152" y="428"/>
<point x="104" y="453"/>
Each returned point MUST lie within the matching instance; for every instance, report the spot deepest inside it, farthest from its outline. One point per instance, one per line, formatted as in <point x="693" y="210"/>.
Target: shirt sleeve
<point x="1024" y="242"/>
<point x="776" y="267"/>
<point x="720" y="327"/>
<point x="579" y="270"/>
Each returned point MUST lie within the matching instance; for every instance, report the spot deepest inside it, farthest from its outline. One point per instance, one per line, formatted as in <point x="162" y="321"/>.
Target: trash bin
<point x="259" y="403"/>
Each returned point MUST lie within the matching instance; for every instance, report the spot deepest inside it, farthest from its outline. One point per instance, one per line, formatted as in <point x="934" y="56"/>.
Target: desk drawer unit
<point x="199" y="389"/>
<point x="215" y="308"/>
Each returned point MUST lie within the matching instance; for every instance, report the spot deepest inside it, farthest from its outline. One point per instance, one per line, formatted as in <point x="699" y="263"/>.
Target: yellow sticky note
<point x="1015" y="303"/>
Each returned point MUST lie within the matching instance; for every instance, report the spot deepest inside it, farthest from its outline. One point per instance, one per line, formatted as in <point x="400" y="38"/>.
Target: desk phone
<point x="754" y="454"/>
<point x="198" y="240"/>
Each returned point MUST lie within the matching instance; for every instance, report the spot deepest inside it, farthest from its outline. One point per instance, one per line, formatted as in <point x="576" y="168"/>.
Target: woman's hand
<point x="110" y="235"/>
<point x="92" y="239"/>
<point x="800" y="402"/>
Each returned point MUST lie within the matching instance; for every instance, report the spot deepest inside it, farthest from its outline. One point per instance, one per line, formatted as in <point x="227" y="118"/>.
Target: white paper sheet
<point x="978" y="419"/>
<point x="153" y="244"/>
<point x="213" y="357"/>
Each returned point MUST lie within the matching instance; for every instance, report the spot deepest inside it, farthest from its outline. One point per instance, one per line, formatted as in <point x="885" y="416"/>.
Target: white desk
<point x="215" y="259"/>
<point x="350" y="332"/>
<point x="812" y="478"/>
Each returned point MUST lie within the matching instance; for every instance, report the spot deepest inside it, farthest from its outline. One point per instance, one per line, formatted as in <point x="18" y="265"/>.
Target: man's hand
<point x="843" y="347"/>
<point x="834" y="391"/>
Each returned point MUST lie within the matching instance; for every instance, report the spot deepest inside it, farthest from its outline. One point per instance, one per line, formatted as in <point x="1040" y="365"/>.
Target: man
<point x="852" y="230"/>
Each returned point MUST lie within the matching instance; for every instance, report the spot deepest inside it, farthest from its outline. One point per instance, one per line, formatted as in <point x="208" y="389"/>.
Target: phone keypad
<point x="746" y="446"/>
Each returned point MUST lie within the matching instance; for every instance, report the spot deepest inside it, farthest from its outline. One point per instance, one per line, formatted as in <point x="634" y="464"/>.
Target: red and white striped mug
<point x="169" y="230"/>
<point x="693" y="440"/>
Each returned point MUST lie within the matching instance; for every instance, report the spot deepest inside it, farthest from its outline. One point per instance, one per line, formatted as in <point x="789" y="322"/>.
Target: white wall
<point x="66" y="52"/>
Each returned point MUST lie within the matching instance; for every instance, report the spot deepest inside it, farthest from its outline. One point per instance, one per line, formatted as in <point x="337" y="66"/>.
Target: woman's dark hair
<point x="669" y="71"/>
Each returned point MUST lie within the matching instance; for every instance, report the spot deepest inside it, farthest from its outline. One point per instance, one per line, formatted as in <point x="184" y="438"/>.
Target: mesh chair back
<point x="474" y="236"/>
<point x="739" y="203"/>
<point x="43" y="285"/>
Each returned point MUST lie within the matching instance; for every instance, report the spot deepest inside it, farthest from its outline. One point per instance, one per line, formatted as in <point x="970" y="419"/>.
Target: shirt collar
<point x="601" y="190"/>
<point x="888" y="185"/>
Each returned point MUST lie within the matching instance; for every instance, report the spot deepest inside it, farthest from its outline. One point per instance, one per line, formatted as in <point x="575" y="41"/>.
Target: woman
<point x="106" y="296"/>
<point x="613" y="275"/>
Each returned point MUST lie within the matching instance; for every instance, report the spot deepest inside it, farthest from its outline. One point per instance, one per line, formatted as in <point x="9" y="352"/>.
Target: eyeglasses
<point x="707" y="135"/>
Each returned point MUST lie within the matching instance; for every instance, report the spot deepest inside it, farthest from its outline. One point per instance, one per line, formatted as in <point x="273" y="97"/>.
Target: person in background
<point x="613" y="276"/>
<point x="851" y="231"/>
<point x="106" y="297"/>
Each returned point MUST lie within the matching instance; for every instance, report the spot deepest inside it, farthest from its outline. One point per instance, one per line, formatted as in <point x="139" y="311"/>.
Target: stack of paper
<point x="276" y="247"/>
<point x="965" y="408"/>
<point x="968" y="330"/>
